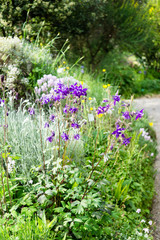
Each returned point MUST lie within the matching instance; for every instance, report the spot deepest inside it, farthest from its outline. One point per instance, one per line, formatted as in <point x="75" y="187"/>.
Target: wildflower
<point x="118" y="131"/>
<point x="77" y="137"/>
<point x="138" y="210"/>
<point x="64" y="62"/>
<point x="75" y="125"/>
<point x="103" y="70"/>
<point x="111" y="147"/>
<point x="151" y="10"/>
<point x="60" y="70"/>
<point x="89" y="98"/>
<point x="82" y="82"/>
<point x="50" y="139"/>
<point x="46" y="125"/>
<point x="105" y="100"/>
<point x="126" y="115"/>
<point x="65" y="137"/>
<point x="73" y="109"/>
<point x="30" y="181"/>
<point x="1" y="102"/>
<point x="102" y="110"/>
<point x="100" y="115"/>
<point x="152" y="154"/>
<point x="143" y="221"/>
<point x="116" y="98"/>
<point x="108" y="85"/>
<point x="83" y="101"/>
<point x="67" y="68"/>
<point x="105" y="86"/>
<point x="52" y="117"/>
<point x="31" y="111"/>
<point x="126" y="141"/>
<point x="146" y="230"/>
<point x="150" y="222"/>
<point x="139" y="114"/>
<point x="82" y="70"/>
<point x="151" y="124"/>
<point x="91" y="109"/>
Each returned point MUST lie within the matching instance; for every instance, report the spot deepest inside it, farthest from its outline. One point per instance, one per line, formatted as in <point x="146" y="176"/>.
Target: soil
<point x="151" y="105"/>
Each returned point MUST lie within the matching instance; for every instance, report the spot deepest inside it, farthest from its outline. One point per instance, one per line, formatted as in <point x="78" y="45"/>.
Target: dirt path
<point x="152" y="107"/>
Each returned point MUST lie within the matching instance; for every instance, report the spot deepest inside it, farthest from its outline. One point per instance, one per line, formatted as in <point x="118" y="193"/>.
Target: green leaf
<point x="42" y="199"/>
<point x="52" y="223"/>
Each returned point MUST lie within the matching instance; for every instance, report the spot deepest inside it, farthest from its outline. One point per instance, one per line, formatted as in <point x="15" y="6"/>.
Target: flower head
<point x="126" y="115"/>
<point x="52" y="117"/>
<point x="118" y="131"/>
<point x="116" y="98"/>
<point x="46" y="125"/>
<point x="139" y="114"/>
<point x="65" y="136"/>
<point x="50" y="138"/>
<point x="77" y="137"/>
<point x="138" y="210"/>
<point x="31" y="111"/>
<point x="75" y="125"/>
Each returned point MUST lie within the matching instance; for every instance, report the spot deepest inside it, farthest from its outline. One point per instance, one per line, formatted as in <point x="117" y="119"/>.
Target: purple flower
<point x="65" y="137"/>
<point x="1" y="102"/>
<point x="116" y="98"/>
<point x="78" y="91"/>
<point x="65" y="109"/>
<point x="73" y="110"/>
<point x="139" y="114"/>
<point x="126" y="141"/>
<point x="46" y="125"/>
<point x="126" y="115"/>
<point x="102" y="110"/>
<point x="77" y="137"/>
<point x="31" y="111"/>
<point x="105" y="100"/>
<point x="50" y="139"/>
<point x="111" y="147"/>
<point x="52" y="117"/>
<point x="118" y="131"/>
<point x="82" y="70"/>
<point x="75" y="125"/>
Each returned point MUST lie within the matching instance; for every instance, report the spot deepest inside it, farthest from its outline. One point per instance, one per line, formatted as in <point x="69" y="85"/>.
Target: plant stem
<point x="40" y="131"/>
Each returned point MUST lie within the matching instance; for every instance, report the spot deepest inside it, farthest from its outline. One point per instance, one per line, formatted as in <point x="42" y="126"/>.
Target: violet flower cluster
<point x="52" y="91"/>
<point x="126" y="115"/>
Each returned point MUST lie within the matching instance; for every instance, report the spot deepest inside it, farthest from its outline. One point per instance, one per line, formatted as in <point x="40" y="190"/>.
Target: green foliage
<point x="93" y="27"/>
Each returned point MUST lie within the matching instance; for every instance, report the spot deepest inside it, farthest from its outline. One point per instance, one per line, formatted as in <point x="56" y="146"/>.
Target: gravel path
<point x="152" y="107"/>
